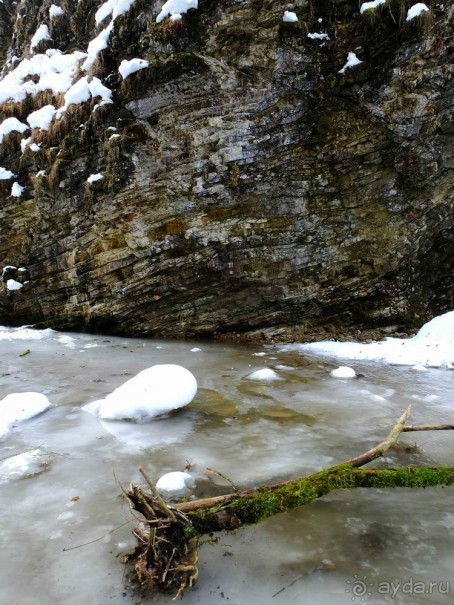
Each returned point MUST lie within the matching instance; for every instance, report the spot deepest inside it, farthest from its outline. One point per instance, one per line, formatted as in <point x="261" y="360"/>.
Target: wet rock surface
<point x="253" y="188"/>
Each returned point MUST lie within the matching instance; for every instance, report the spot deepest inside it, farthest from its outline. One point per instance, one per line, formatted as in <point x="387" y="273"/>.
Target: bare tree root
<point x="166" y="556"/>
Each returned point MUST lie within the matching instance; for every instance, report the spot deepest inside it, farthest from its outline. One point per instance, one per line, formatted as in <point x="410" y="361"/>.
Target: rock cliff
<point x="248" y="181"/>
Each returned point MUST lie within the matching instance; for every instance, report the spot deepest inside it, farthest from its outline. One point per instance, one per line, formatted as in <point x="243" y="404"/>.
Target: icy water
<point x="375" y="546"/>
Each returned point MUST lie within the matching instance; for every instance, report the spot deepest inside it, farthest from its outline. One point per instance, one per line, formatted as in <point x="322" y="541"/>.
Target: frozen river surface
<point x="372" y="546"/>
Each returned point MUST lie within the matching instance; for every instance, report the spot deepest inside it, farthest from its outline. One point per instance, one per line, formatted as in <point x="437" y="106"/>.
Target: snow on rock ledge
<point x="130" y="67"/>
<point x="176" y="7"/>
<point x="416" y="11"/>
<point x="153" y="392"/>
<point x="352" y="61"/>
<point x="289" y="17"/>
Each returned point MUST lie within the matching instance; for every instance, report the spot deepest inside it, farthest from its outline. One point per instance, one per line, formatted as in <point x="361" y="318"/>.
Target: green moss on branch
<point x="250" y="508"/>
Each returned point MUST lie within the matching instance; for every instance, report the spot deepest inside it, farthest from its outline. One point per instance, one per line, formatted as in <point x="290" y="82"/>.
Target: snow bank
<point x="153" y="392"/>
<point x="17" y="407"/>
<point x="433" y="346"/>
<point x="289" y="17"/>
<point x="264" y="374"/>
<point x="130" y="67"/>
<point x="23" y="333"/>
<point x="176" y="7"/>
<point x="416" y="11"/>
<point x="352" y="60"/>
<point x="175" y="484"/>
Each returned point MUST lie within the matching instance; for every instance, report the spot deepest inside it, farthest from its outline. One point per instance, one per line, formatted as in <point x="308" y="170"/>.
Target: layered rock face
<point x="252" y="185"/>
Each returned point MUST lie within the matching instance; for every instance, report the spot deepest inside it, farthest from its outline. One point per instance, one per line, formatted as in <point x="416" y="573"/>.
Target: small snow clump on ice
<point x="343" y="372"/>
<point x="17" y="407"/>
<point x="175" y="484"/>
<point x="264" y="374"/>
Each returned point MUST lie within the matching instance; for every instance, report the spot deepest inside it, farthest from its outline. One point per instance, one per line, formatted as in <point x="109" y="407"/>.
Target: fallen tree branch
<point x="384" y="446"/>
<point x="428" y="427"/>
<point x="358" y="461"/>
<point x="166" y="556"/>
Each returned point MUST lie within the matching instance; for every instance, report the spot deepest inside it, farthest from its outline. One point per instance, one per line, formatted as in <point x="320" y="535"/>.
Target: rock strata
<point x="248" y="184"/>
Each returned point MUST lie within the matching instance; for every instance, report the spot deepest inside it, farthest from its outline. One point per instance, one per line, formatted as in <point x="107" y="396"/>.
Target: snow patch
<point x="176" y="7"/>
<point x="175" y="484"/>
<point x="17" y="190"/>
<point x="53" y="70"/>
<point x="42" y="118"/>
<point x="17" y="407"/>
<point x="94" y="177"/>
<point x="318" y="36"/>
<point x="11" y="125"/>
<point x="343" y="372"/>
<point x="130" y="67"/>
<point x="97" y="89"/>
<point x="66" y="340"/>
<point x="352" y="60"/>
<point x="416" y="11"/>
<point x="153" y="392"/>
<point x="96" y="45"/>
<point x="116" y="8"/>
<point x="289" y="17"/>
<point x="6" y="174"/>
<point x="24" y="465"/>
<point x="55" y="11"/>
<point x="12" y="284"/>
<point x="24" y="144"/>
<point x="371" y="5"/>
<point x="23" y="333"/>
<point x="42" y="33"/>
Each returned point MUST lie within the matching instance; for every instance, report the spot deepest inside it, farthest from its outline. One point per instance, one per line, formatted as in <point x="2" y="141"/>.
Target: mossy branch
<point x="250" y="508"/>
<point x="166" y="556"/>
